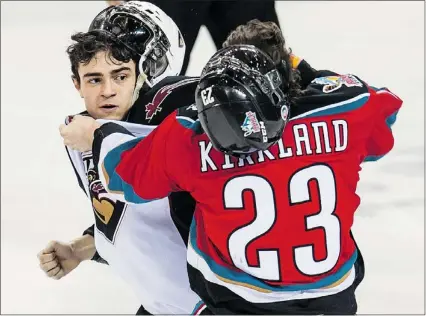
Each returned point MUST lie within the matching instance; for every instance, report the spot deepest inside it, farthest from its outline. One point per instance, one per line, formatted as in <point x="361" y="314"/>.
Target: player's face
<point x="107" y="86"/>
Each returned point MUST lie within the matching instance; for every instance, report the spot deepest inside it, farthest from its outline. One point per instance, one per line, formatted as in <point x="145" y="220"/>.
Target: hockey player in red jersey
<point x="271" y="232"/>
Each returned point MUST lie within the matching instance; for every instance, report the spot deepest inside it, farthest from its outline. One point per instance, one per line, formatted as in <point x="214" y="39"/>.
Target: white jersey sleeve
<point x="141" y="243"/>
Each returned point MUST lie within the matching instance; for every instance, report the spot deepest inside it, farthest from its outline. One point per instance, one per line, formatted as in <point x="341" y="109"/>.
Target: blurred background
<point x="382" y="42"/>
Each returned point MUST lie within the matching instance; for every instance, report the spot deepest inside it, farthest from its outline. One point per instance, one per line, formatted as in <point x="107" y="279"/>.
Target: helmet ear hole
<point x="145" y="67"/>
<point x="275" y="98"/>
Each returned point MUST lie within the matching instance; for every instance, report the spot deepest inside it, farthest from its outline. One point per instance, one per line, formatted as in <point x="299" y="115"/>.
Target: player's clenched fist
<point x="58" y="259"/>
<point x="79" y="133"/>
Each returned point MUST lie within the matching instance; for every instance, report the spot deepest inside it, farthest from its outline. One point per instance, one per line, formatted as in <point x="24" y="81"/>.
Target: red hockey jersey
<point x="277" y="222"/>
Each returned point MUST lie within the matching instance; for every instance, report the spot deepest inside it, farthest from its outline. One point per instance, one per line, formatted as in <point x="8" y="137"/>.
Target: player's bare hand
<point x="58" y="259"/>
<point x="110" y="3"/>
<point x="79" y="133"/>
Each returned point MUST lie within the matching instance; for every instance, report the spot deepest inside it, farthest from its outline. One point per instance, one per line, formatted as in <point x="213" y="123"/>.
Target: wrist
<point x="95" y="126"/>
<point x="83" y="247"/>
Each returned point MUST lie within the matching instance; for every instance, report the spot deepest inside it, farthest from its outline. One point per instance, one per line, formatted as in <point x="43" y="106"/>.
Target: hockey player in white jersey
<point x="120" y="68"/>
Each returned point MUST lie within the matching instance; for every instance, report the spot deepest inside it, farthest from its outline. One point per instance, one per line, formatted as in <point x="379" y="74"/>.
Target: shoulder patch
<point x="333" y="83"/>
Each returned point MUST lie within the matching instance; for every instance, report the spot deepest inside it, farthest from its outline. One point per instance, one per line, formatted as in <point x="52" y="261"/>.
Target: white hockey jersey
<point x="140" y="242"/>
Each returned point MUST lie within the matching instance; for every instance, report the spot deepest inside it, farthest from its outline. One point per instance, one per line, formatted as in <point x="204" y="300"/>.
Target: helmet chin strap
<point x="139" y="83"/>
<point x="142" y="78"/>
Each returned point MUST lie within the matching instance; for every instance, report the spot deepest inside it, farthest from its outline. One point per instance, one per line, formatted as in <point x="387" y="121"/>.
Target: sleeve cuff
<point x="96" y="257"/>
<point x="101" y="133"/>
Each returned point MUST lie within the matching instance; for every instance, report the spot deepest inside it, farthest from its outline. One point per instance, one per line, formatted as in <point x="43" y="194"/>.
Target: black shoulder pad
<point x="161" y="100"/>
<point x="188" y="117"/>
<point x="328" y="90"/>
<point x="189" y="112"/>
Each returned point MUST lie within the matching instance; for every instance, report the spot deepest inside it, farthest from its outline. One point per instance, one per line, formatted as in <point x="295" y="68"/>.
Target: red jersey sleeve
<point x="385" y="108"/>
<point x="136" y="167"/>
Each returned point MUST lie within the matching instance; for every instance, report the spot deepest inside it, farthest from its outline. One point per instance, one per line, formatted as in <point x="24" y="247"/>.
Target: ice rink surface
<point x="382" y="42"/>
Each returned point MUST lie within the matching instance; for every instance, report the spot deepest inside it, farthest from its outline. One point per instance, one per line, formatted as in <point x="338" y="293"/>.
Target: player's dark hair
<point x="87" y="45"/>
<point x="268" y="37"/>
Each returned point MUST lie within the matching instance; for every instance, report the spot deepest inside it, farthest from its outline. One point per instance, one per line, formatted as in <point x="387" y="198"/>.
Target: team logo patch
<point x="97" y="187"/>
<point x="251" y="124"/>
<point x="153" y="107"/>
<point x="333" y="83"/>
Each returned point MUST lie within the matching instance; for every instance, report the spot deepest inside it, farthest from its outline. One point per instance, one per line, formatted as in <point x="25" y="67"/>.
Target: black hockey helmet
<point x="240" y="100"/>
